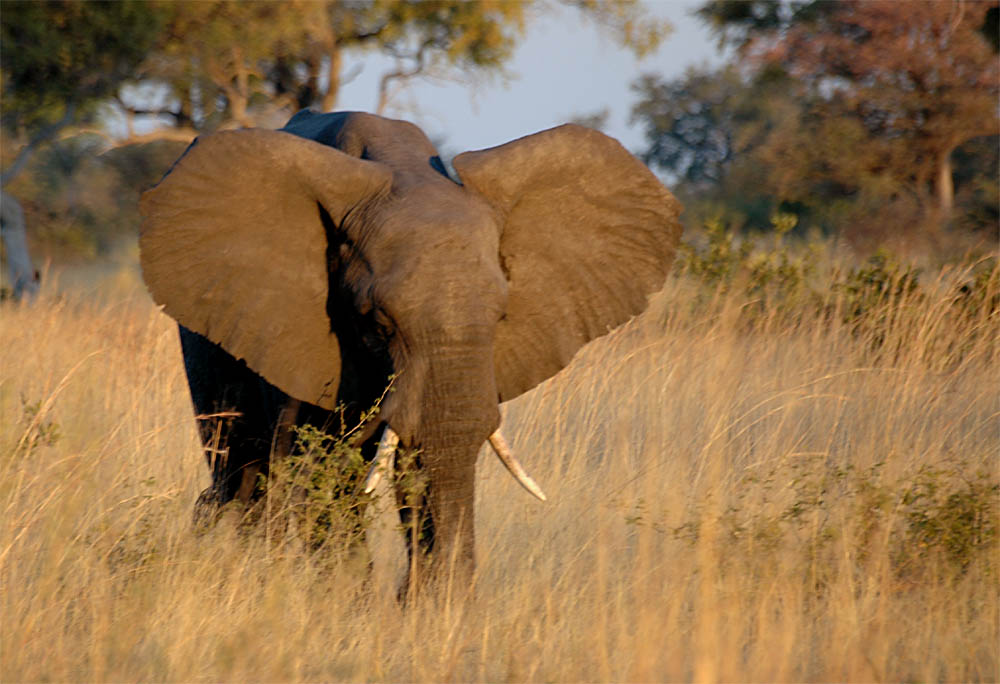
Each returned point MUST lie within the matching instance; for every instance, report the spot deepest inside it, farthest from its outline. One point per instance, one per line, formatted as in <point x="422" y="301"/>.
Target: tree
<point x="920" y="76"/>
<point x="692" y="124"/>
<point x="221" y="59"/>
<point x="190" y="67"/>
<point x="743" y="144"/>
<point x="58" y="60"/>
<point x="707" y="130"/>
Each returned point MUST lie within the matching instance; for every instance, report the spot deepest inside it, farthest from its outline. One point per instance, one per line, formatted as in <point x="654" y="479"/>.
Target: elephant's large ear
<point x="234" y="247"/>
<point x="588" y="234"/>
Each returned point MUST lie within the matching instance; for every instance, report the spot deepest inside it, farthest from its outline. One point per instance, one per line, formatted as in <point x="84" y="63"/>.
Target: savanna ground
<point x="786" y="470"/>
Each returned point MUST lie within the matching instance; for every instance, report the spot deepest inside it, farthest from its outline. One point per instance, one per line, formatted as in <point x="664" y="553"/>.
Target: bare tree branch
<point x="39" y="138"/>
<point x="401" y="73"/>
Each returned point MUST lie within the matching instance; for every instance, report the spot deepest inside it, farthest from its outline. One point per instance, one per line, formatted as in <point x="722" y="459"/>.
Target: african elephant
<point x="307" y="265"/>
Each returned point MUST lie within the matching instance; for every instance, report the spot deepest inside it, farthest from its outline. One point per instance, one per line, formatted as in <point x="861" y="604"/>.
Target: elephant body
<point x="309" y="266"/>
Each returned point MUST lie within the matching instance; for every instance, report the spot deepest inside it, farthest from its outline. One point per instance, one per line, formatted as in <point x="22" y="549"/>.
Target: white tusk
<point x="506" y="457"/>
<point x="384" y="458"/>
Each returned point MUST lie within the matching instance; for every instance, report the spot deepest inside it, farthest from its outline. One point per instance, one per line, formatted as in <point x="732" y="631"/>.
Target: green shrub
<point x="315" y="498"/>
<point x="39" y="431"/>
<point x="815" y="513"/>
<point x="950" y="514"/>
<point x="883" y="301"/>
<point x="776" y="279"/>
<point x="874" y="284"/>
<point x="317" y="492"/>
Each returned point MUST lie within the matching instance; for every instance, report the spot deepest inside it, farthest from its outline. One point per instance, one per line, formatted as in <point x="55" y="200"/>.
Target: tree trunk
<point x="333" y="90"/>
<point x="20" y="272"/>
<point x="241" y="97"/>
<point x="944" y="186"/>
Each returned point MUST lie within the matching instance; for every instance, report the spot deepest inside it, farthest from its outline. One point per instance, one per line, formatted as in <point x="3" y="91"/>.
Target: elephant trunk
<point x="450" y="475"/>
<point x="450" y="499"/>
<point x="451" y="400"/>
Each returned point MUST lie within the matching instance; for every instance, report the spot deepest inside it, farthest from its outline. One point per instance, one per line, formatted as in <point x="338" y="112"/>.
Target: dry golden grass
<point x="726" y="503"/>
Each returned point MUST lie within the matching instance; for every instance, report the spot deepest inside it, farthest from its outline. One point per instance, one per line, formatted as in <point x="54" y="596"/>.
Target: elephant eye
<point x="383" y="321"/>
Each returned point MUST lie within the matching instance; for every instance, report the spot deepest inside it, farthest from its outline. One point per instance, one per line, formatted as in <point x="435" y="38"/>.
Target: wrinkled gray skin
<point x="304" y="274"/>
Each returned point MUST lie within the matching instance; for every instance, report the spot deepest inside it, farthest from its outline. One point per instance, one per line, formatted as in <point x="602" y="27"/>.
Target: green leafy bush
<point x="318" y="490"/>
<point x="931" y="523"/>
<point x="315" y="498"/>
<point x="890" y="306"/>
<point x="950" y="514"/>
<point x="775" y="279"/>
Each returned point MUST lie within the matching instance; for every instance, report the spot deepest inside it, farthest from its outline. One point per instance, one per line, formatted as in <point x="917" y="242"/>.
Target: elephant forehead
<point x="447" y="273"/>
<point x="417" y="250"/>
<point x="443" y="287"/>
<point x="434" y="229"/>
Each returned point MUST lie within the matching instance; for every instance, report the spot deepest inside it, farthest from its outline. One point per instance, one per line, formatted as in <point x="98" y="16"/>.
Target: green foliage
<point x="717" y="262"/>
<point x="628" y="20"/>
<point x="697" y="126"/>
<point x="39" y="432"/>
<point x="223" y="59"/>
<point x="316" y="496"/>
<point x="949" y="513"/>
<point x="469" y="34"/>
<point x="885" y="304"/>
<point x="81" y="202"/>
<point x="861" y="118"/>
<point x="58" y="53"/>
<point x="875" y="284"/>
<point x="226" y="61"/>
<point x="981" y="295"/>
<point x="774" y="279"/>
<point x="882" y="300"/>
<point x="318" y="491"/>
<point x="977" y="190"/>
<point x="817" y="513"/>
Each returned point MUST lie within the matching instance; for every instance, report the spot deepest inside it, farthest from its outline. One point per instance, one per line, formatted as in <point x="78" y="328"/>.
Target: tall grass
<point x="738" y="491"/>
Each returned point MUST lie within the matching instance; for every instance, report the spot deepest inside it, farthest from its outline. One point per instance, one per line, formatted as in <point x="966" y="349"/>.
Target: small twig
<point x="44" y="409"/>
<point x="221" y="414"/>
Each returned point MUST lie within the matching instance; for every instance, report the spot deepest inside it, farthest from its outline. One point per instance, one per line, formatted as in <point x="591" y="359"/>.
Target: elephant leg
<point x="235" y="462"/>
<point x="238" y="413"/>
<point x="284" y="442"/>
<point x="249" y="478"/>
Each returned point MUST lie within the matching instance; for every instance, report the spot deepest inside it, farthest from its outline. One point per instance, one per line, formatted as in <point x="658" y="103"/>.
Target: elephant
<point x="306" y="266"/>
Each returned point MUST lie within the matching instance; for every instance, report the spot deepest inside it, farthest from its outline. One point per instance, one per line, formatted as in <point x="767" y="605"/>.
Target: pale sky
<point x="563" y="68"/>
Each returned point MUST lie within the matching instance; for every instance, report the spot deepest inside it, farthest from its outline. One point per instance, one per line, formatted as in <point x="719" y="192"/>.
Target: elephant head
<point x="336" y="252"/>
